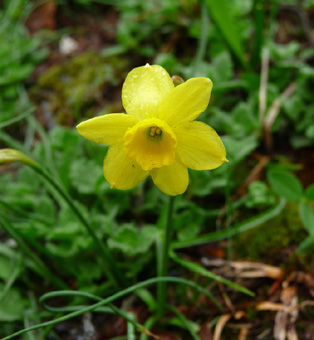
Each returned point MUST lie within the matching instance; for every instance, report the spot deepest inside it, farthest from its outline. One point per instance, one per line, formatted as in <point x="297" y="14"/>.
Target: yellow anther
<point x="158" y="131"/>
<point x="152" y="131"/>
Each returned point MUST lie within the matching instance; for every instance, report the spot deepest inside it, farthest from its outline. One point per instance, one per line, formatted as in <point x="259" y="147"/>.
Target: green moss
<point x="268" y="240"/>
<point x="76" y="87"/>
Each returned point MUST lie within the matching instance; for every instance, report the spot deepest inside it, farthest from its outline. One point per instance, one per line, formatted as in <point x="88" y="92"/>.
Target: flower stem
<point x="110" y="267"/>
<point x="164" y="258"/>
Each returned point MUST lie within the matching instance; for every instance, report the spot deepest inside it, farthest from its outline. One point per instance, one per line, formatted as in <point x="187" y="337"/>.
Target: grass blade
<point x="204" y="272"/>
<point x="234" y="230"/>
<point x="227" y="24"/>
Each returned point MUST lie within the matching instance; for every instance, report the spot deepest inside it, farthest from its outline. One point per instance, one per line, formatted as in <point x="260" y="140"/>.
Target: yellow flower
<point x="158" y="136"/>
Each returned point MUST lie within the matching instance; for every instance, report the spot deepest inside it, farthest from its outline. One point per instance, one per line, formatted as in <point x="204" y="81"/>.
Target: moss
<point x="268" y="240"/>
<point x="77" y="86"/>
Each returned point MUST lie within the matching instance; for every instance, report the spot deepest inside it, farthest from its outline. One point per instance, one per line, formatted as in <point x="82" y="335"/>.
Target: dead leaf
<point x="220" y="325"/>
<point x="43" y="16"/>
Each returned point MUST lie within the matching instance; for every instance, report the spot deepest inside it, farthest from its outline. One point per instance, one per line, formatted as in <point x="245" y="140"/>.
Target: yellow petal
<point x="120" y="171"/>
<point x="108" y="129"/>
<point x="171" y="179"/>
<point x="199" y="147"/>
<point x="185" y="102"/>
<point x="151" y="143"/>
<point x="143" y="90"/>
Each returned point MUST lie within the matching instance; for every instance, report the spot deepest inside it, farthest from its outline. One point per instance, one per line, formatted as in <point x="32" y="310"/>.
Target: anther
<point x="152" y="131"/>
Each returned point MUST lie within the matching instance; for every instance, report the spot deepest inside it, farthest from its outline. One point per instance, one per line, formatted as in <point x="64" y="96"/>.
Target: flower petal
<point x="199" y="147"/>
<point x="107" y="129"/>
<point x="143" y="90"/>
<point x="185" y="102"/>
<point x="120" y="171"/>
<point x="171" y="179"/>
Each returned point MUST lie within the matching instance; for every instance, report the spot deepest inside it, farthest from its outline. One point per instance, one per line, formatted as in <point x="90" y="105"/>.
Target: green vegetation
<point x="61" y="225"/>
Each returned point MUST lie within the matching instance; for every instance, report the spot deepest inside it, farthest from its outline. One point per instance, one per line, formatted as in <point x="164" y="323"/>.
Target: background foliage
<point x="260" y="57"/>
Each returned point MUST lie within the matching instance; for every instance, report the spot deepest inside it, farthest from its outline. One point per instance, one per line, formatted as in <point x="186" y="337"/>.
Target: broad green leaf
<point x="285" y="184"/>
<point x="12" y="305"/>
<point x="306" y="244"/>
<point x="132" y="241"/>
<point x="238" y="149"/>
<point x="5" y="267"/>
<point x="309" y="132"/>
<point x="259" y="194"/>
<point x="228" y="25"/>
<point x="85" y="175"/>
<point x="309" y="192"/>
<point x="307" y="217"/>
<point x="221" y="68"/>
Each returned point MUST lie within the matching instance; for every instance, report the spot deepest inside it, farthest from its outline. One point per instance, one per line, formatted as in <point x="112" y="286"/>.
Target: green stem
<point x="164" y="258"/>
<point x="110" y="267"/>
<point x="202" y="43"/>
<point x="42" y="268"/>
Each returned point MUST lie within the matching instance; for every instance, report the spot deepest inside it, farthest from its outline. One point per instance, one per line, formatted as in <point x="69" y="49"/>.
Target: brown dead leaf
<point x="246" y="269"/>
<point x="223" y="320"/>
<point x="271" y="306"/>
<point x="244" y="331"/>
<point x="287" y="312"/>
<point x="206" y="332"/>
<point x="43" y="16"/>
<point x="220" y="325"/>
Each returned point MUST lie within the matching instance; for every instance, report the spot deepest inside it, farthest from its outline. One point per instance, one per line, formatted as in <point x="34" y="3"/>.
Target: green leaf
<point x="12" y="305"/>
<point x="85" y="175"/>
<point x="132" y="241"/>
<point x="228" y="25"/>
<point x="238" y="149"/>
<point x="221" y="69"/>
<point x="285" y="184"/>
<point x="309" y="132"/>
<point x="259" y="194"/>
<point x="5" y="267"/>
<point x="309" y="192"/>
<point x="307" y="217"/>
<point x="306" y="244"/>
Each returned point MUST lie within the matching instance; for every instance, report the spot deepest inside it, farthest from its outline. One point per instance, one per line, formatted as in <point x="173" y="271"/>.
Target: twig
<point x="263" y="85"/>
<point x="273" y="113"/>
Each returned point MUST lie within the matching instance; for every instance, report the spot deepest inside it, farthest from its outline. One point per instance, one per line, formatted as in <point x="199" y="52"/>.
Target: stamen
<point x="153" y="131"/>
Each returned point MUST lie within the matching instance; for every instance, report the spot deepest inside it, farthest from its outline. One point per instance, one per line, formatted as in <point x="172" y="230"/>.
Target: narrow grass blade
<point x="234" y="230"/>
<point x="228" y="26"/>
<point x="187" y="324"/>
<point x="196" y="268"/>
<point x="17" y="118"/>
<point x="103" y="302"/>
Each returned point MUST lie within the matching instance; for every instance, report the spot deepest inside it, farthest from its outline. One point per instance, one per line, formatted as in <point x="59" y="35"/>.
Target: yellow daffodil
<point x="158" y="136"/>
